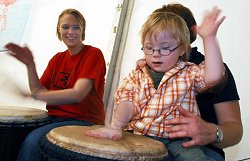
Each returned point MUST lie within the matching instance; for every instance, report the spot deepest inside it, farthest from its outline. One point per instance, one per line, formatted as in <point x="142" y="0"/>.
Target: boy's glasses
<point x="162" y="51"/>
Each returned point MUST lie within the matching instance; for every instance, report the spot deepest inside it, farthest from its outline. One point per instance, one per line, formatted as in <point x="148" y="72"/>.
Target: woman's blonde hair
<point x="173" y="25"/>
<point x="79" y="17"/>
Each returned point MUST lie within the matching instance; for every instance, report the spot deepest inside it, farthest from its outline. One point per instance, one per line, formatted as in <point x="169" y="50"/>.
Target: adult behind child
<point x="220" y="109"/>
<point x="72" y="84"/>
<point x="165" y="81"/>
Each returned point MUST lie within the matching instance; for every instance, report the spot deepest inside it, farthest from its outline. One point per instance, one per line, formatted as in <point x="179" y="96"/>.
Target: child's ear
<point x="182" y="53"/>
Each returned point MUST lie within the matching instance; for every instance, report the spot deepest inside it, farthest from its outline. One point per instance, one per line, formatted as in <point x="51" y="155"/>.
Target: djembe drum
<point x="15" y="124"/>
<point x="70" y="143"/>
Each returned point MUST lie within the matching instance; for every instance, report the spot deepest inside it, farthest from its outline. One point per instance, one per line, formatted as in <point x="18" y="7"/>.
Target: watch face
<point x="219" y="135"/>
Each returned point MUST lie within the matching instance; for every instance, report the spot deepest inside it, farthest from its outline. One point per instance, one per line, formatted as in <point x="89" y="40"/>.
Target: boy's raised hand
<point x="210" y="23"/>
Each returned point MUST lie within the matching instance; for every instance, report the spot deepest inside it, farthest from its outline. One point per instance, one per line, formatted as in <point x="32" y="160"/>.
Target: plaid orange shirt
<point x="153" y="106"/>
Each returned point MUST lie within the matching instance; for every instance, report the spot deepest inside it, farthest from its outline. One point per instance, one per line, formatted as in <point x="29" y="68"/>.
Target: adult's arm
<point x="24" y="55"/>
<point x="229" y="119"/>
<point x="67" y="96"/>
<point x="202" y="132"/>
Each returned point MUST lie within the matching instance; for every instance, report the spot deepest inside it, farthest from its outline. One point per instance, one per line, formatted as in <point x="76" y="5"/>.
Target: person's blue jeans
<point x="197" y="153"/>
<point x="29" y="150"/>
<point x="212" y="154"/>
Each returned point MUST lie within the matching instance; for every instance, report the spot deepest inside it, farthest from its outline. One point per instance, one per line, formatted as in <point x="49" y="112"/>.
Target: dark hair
<point x="184" y="13"/>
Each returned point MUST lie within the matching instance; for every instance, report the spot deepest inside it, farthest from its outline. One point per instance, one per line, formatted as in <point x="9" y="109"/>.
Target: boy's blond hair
<point x="170" y="23"/>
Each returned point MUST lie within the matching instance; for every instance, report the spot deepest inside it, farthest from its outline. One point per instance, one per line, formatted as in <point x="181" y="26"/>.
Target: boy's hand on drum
<point x="105" y="133"/>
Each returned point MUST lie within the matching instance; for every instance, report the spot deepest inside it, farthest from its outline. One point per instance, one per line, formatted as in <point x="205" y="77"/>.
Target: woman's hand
<point x="105" y="133"/>
<point x="192" y="126"/>
<point x="22" y="54"/>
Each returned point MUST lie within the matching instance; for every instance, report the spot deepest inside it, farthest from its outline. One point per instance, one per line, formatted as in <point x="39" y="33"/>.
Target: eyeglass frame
<point x="159" y="50"/>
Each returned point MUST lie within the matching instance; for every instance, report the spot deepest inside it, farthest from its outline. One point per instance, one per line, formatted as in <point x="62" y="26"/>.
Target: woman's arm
<point x="59" y="97"/>
<point x="67" y="96"/>
<point x="24" y="55"/>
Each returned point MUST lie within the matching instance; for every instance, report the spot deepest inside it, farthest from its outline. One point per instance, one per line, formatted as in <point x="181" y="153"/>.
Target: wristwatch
<point x="219" y="134"/>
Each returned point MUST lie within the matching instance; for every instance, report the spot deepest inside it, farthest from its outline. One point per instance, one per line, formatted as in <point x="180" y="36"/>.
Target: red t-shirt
<point x="64" y="70"/>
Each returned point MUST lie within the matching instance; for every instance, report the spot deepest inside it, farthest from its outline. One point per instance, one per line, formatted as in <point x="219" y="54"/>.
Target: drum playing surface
<point x="10" y="113"/>
<point x="131" y="147"/>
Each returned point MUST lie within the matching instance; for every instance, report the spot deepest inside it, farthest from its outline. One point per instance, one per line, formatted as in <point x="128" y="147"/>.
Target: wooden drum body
<point x="15" y="124"/>
<point x="70" y="143"/>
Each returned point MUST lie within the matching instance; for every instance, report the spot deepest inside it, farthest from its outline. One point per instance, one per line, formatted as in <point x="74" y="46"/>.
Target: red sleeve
<point x="94" y="67"/>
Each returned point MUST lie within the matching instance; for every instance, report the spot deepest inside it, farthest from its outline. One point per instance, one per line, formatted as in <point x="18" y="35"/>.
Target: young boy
<point x="164" y="81"/>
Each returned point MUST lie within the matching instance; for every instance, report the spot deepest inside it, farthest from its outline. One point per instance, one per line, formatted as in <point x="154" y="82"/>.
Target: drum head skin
<point x="21" y="114"/>
<point x="131" y="148"/>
